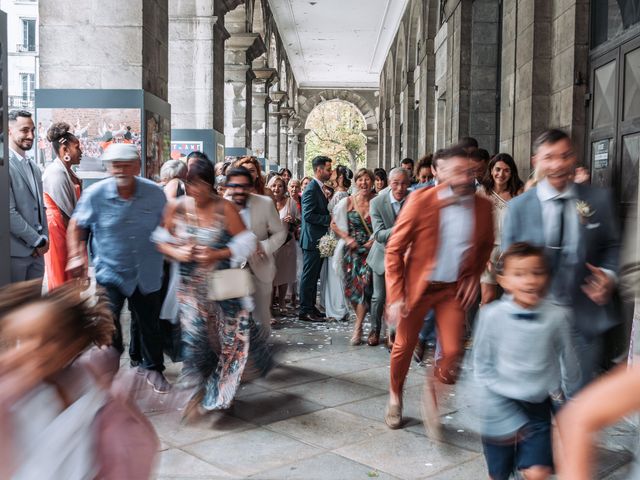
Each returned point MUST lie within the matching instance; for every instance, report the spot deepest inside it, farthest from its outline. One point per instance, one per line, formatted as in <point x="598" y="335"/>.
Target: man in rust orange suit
<point x="439" y="248"/>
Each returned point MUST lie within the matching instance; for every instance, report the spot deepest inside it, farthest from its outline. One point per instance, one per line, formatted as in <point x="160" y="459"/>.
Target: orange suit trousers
<point x="441" y="297"/>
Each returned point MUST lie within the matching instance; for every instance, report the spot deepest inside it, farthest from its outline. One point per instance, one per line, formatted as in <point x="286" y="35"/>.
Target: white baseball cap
<point x="120" y="152"/>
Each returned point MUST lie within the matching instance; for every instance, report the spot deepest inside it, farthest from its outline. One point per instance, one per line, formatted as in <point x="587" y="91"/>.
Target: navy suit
<point x="598" y="244"/>
<point x="315" y="224"/>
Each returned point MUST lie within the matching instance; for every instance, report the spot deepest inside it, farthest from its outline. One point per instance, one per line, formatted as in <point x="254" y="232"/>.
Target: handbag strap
<point x="364" y="223"/>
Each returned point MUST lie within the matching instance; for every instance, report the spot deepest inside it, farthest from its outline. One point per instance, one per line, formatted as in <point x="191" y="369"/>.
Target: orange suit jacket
<point x="411" y="251"/>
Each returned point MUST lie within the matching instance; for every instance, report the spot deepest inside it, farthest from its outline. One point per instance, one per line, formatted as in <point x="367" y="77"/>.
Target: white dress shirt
<point x="456" y="224"/>
<point x="395" y="204"/>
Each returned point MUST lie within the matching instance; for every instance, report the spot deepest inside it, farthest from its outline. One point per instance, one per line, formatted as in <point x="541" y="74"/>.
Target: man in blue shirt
<point x="120" y="213"/>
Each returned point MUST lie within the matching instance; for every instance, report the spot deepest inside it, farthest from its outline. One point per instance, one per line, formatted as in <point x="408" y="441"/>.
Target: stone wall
<point x="107" y="45"/>
<point x="499" y="71"/>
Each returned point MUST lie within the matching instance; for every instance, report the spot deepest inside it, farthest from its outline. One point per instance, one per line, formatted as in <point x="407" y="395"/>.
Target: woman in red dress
<point x="61" y="191"/>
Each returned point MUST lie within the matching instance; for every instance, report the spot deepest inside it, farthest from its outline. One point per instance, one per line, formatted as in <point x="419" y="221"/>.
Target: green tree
<point x="336" y="131"/>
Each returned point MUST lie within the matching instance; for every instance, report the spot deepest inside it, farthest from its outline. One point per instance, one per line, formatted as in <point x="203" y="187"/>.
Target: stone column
<point x="259" y="107"/>
<point x="372" y="148"/>
<point x="191" y="60"/>
<point x="119" y="44"/>
<point x="276" y="96"/>
<point x="240" y="50"/>
<point x="301" y="137"/>
<point x="526" y="37"/>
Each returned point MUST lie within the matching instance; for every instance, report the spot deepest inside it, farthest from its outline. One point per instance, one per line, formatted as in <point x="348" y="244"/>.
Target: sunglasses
<point x="237" y="185"/>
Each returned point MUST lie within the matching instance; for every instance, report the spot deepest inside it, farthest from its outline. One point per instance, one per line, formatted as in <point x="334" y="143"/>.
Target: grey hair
<point x="172" y="169"/>
<point x="400" y="171"/>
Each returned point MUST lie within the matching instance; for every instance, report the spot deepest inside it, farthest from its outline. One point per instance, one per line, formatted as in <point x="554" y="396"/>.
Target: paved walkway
<point x="319" y="415"/>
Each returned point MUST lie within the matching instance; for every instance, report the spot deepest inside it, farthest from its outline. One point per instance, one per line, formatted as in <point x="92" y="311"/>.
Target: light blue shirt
<point x="456" y="223"/>
<point x="123" y="253"/>
<point x="524" y="359"/>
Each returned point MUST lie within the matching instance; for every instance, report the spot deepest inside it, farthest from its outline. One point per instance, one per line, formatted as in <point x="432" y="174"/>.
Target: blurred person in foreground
<point x="603" y="403"/>
<point x="259" y="214"/>
<point x="514" y="397"/>
<point x="440" y="245"/>
<point x="576" y="226"/>
<point x="120" y="213"/>
<point x="204" y="232"/>
<point x="61" y="192"/>
<point x="60" y="415"/>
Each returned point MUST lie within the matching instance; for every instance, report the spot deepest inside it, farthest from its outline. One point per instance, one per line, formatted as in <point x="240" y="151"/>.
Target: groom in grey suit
<point x="28" y="220"/>
<point x="384" y="211"/>
<point x="576" y="225"/>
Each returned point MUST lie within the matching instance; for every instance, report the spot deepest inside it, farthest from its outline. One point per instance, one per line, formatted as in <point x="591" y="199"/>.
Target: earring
<point x="67" y="158"/>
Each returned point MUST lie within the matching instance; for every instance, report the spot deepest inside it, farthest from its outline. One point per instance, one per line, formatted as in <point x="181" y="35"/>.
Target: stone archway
<point x="362" y="100"/>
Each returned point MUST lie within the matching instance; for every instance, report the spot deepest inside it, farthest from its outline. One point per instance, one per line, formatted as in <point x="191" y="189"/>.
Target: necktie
<point x="525" y="316"/>
<point x="561" y="202"/>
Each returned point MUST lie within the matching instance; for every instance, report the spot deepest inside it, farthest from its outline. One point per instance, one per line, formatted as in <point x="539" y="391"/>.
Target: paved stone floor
<point x="319" y="415"/>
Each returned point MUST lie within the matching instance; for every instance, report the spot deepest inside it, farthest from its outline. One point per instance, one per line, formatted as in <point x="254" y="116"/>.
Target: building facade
<point x="22" y="47"/>
<point x="502" y="71"/>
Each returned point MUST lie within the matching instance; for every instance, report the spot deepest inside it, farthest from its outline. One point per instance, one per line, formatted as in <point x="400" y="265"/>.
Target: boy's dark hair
<point x="551" y="136"/>
<point x="521" y="250"/>
<point x="320" y="161"/>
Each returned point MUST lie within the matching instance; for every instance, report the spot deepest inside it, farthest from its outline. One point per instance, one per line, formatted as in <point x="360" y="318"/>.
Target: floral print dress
<point x="218" y="336"/>
<point x="358" y="286"/>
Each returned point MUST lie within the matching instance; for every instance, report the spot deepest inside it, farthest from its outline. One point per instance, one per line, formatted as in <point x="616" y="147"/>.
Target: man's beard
<point x="24" y="145"/>
<point x="240" y="200"/>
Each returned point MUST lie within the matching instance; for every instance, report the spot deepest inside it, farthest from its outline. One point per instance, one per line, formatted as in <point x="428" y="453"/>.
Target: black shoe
<point x="318" y="313"/>
<point x="310" y="317"/>
<point x="345" y="318"/>
<point x="418" y="353"/>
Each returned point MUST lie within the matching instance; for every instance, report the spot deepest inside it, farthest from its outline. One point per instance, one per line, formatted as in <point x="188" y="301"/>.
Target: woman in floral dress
<point x="205" y="232"/>
<point x="358" y="240"/>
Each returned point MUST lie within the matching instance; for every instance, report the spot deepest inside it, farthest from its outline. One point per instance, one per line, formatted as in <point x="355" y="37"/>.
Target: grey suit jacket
<point x="598" y="244"/>
<point x="28" y="220"/>
<point x="382" y="219"/>
<point x="271" y="233"/>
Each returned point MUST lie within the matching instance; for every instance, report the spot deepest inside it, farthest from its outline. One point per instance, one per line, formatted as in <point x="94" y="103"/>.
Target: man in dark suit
<point x="576" y="225"/>
<point x="315" y="223"/>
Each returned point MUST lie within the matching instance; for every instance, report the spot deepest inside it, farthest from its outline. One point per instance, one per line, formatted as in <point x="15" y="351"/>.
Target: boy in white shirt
<point x="523" y="354"/>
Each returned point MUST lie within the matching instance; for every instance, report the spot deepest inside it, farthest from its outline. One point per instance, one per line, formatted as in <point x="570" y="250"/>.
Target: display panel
<point x="158" y="144"/>
<point x="96" y="128"/>
<point x="180" y="150"/>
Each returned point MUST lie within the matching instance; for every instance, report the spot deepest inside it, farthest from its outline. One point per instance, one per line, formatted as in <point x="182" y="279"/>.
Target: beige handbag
<point x="230" y="283"/>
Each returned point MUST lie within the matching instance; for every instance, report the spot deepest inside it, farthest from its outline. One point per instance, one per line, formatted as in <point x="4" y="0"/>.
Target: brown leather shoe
<point x="374" y="339"/>
<point x="393" y="416"/>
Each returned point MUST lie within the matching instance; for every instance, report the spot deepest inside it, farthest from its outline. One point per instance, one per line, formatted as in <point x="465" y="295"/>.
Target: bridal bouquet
<point x="327" y="245"/>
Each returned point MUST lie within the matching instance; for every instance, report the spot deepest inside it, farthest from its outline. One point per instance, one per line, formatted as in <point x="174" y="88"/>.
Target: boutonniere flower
<point x="584" y="211"/>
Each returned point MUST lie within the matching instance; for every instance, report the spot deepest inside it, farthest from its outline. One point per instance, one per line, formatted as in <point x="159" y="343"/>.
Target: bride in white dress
<point x="332" y="291"/>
